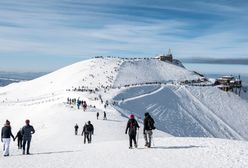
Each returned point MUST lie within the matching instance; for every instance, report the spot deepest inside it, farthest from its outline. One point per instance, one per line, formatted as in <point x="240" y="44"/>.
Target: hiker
<point x="88" y="131"/>
<point x="76" y="129"/>
<point x="78" y="103"/>
<point x="5" y="137"/>
<point x="84" y="105"/>
<point x="132" y="126"/>
<point x="19" y="139"/>
<point x="97" y="115"/>
<point x="27" y="132"/>
<point x="104" y="116"/>
<point x="148" y="127"/>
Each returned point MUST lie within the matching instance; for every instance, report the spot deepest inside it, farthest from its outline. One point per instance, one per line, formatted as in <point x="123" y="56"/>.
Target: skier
<point x="148" y="127"/>
<point x="76" y="129"/>
<point x="88" y="131"/>
<point x="104" y="116"/>
<point x="5" y="137"/>
<point x="27" y="132"/>
<point x="19" y="139"/>
<point x="132" y="126"/>
<point x="97" y="115"/>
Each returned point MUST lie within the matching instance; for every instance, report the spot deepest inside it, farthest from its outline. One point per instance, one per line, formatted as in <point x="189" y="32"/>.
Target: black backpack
<point x="150" y="123"/>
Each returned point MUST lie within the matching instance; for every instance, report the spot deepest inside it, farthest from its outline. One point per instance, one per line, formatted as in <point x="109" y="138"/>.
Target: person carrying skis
<point x="5" y="137"/>
<point x="132" y="126"/>
<point x="148" y="127"/>
<point x="88" y="131"/>
<point x="76" y="129"/>
<point x="97" y="115"/>
<point x="27" y="132"/>
<point x="19" y="139"/>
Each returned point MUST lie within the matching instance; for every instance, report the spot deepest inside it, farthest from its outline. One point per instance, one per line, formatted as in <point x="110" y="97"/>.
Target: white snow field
<point x="190" y="120"/>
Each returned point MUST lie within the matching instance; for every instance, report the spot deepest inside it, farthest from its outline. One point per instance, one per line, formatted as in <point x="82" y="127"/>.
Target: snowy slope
<point x="178" y="111"/>
<point x="189" y="111"/>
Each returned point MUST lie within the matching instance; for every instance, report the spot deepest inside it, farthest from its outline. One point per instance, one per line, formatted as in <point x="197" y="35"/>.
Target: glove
<point x="125" y="132"/>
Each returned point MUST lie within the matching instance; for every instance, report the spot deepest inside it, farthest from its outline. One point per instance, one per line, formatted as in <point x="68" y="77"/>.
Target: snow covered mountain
<point x="130" y="86"/>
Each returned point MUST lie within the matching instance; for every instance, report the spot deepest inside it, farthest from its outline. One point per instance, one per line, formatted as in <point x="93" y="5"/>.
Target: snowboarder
<point x="104" y="116"/>
<point x="19" y="139"/>
<point x="148" y="127"/>
<point x="132" y="126"/>
<point x="5" y="137"/>
<point x="27" y="132"/>
<point x="88" y="131"/>
<point x="97" y="115"/>
<point x="76" y="129"/>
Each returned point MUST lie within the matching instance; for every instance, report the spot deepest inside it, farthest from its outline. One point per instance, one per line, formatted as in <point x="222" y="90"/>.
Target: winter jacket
<point x="27" y="132"/>
<point x="148" y="123"/>
<point x="19" y="135"/>
<point x="132" y="126"/>
<point x="6" y="132"/>
<point x="88" y="128"/>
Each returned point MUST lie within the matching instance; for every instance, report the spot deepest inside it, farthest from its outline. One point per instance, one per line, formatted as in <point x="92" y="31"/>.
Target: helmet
<point x="131" y="116"/>
<point x="27" y="121"/>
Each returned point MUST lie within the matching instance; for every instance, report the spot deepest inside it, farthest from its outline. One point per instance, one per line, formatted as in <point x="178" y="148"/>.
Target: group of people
<point x="104" y="115"/>
<point x="133" y="126"/>
<point x="88" y="131"/>
<point x="24" y="136"/>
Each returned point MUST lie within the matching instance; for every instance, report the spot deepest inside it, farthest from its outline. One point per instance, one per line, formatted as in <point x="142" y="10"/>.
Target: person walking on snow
<point x="97" y="115"/>
<point x="132" y="126"/>
<point x="148" y="127"/>
<point x="5" y="137"/>
<point x="76" y="129"/>
<point x="27" y="132"/>
<point x="88" y="131"/>
<point x="104" y="116"/>
<point x="19" y="139"/>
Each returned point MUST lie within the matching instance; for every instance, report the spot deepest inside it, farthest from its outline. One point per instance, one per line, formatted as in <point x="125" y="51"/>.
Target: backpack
<point x="132" y="127"/>
<point x="150" y="123"/>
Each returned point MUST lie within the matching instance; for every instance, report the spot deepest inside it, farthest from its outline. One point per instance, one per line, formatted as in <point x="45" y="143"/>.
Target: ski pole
<point x="138" y="137"/>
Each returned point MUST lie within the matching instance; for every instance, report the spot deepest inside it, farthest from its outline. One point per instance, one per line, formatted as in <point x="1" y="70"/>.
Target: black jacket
<point x="148" y="123"/>
<point x="88" y="128"/>
<point x="132" y="126"/>
<point x="19" y="135"/>
<point x="27" y="132"/>
<point x="6" y="132"/>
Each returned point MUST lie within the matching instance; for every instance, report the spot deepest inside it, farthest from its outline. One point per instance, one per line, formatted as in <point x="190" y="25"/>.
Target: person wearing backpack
<point x="148" y="127"/>
<point x="132" y="126"/>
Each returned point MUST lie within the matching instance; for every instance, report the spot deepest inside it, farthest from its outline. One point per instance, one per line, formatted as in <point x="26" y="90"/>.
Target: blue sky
<point x="49" y="34"/>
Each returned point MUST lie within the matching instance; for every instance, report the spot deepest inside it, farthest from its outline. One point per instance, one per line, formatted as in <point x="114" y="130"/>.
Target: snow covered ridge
<point x="98" y="72"/>
<point x="129" y="86"/>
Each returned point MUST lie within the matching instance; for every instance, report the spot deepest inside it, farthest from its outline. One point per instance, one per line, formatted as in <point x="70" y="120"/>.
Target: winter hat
<point x="88" y="122"/>
<point x="131" y="116"/>
<point x="27" y="121"/>
<point x="146" y="114"/>
<point x="7" y="122"/>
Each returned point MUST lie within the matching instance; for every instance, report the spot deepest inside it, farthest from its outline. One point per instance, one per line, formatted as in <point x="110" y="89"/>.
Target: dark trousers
<point x="24" y="145"/>
<point x="19" y="143"/>
<point x="88" y="137"/>
<point x="132" y="138"/>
